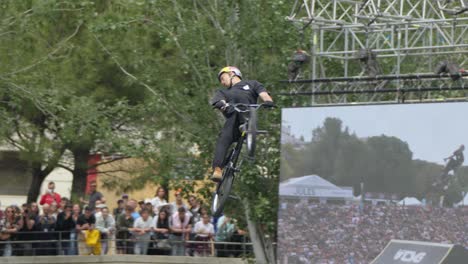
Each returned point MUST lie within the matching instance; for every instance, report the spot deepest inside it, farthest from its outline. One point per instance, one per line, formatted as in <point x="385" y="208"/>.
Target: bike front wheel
<point x="222" y="192"/>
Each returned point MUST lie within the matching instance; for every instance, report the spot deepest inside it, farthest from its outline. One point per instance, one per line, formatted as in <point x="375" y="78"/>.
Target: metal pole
<point x="379" y="78"/>
<point x="60" y="243"/>
<point x="374" y="91"/>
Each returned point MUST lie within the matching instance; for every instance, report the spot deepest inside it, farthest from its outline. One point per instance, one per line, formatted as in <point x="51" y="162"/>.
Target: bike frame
<point x="231" y="167"/>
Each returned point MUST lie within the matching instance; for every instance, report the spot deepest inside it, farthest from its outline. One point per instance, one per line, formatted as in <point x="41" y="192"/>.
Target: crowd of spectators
<point x="152" y="226"/>
<point x="353" y="234"/>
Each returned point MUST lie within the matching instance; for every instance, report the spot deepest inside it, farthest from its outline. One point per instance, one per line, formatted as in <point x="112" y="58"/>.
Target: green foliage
<point x="135" y="78"/>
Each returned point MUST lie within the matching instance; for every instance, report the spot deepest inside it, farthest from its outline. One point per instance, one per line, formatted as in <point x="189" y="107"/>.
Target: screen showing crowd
<point x="355" y="177"/>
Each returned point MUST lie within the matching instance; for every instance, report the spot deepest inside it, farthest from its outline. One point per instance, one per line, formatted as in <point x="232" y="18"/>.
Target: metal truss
<point x="379" y="37"/>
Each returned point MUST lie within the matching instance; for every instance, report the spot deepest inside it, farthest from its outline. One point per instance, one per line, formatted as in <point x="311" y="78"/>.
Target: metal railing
<point x="54" y="243"/>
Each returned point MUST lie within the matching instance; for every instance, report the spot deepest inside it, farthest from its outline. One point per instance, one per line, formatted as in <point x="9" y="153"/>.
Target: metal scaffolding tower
<point x="355" y="45"/>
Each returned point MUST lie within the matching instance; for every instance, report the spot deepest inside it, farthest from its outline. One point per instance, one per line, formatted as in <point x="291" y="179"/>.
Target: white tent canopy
<point x="464" y="201"/>
<point x="410" y="201"/>
<point x="313" y="186"/>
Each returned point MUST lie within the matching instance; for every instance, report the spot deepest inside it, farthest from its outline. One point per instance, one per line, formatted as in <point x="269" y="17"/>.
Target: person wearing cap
<point x="149" y="206"/>
<point x="98" y="208"/>
<point x="180" y="229"/>
<point x="125" y="198"/>
<point x="159" y="200"/>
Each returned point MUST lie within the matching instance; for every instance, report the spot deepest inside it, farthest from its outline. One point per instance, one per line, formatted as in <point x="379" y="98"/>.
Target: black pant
<point x="229" y="134"/>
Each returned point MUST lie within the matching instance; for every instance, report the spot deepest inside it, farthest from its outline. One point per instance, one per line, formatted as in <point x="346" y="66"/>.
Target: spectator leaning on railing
<point x="105" y="223"/>
<point x="120" y="208"/>
<point x="66" y="225"/>
<point x="142" y="229"/>
<point x="124" y="224"/>
<point x="60" y="230"/>
<point x="224" y="232"/>
<point x="180" y="230"/>
<point x="85" y="225"/>
<point x="161" y="230"/>
<point x="9" y="225"/>
<point x="27" y="233"/>
<point x="204" y="231"/>
<point x="47" y="223"/>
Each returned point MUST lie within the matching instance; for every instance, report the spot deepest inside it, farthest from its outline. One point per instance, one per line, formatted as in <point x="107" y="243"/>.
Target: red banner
<point x="92" y="171"/>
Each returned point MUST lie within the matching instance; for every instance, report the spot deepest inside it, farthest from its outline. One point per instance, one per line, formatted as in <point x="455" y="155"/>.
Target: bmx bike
<point x="232" y="163"/>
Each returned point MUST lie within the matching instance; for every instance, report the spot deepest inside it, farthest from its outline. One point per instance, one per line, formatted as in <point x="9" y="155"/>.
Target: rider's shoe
<point x="217" y="174"/>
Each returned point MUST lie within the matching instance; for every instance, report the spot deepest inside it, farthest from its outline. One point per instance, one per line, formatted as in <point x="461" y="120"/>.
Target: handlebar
<point x="243" y="108"/>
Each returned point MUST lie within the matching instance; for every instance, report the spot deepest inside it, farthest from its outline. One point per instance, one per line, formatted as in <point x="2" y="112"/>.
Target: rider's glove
<point x="220" y="104"/>
<point x="229" y="109"/>
<point x="269" y="104"/>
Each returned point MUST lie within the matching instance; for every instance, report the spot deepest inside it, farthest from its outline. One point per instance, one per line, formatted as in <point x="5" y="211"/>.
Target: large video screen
<point x="355" y="177"/>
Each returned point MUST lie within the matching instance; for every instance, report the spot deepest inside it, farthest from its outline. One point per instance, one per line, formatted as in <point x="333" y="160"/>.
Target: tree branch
<point x="108" y="162"/>
<point x="45" y="58"/>
<point x="111" y="171"/>
<point x="161" y="97"/>
<point x="65" y="167"/>
<point x="54" y="161"/>
<point x="14" y="143"/>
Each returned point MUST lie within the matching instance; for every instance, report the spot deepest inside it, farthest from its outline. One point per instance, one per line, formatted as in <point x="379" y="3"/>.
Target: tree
<point x="158" y="56"/>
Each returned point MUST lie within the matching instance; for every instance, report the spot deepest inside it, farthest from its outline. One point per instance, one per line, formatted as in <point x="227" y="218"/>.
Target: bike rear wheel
<point x="251" y="137"/>
<point x="222" y="192"/>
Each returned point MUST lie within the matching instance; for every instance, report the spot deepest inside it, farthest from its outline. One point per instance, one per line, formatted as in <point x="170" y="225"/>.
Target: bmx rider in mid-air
<point x="454" y="163"/>
<point x="237" y="91"/>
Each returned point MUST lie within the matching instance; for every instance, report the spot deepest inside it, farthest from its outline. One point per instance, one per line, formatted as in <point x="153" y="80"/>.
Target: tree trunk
<point x="38" y="176"/>
<point x="262" y="246"/>
<point x="80" y="171"/>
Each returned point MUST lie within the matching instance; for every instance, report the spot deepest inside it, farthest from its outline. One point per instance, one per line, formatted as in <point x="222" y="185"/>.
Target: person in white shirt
<point x="105" y="223"/>
<point x="180" y="229"/>
<point x="142" y="228"/>
<point x="158" y="200"/>
<point x="178" y="203"/>
<point x="204" y="231"/>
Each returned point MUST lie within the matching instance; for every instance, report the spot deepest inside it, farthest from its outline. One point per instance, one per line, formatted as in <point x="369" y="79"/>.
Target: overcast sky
<point x="432" y="131"/>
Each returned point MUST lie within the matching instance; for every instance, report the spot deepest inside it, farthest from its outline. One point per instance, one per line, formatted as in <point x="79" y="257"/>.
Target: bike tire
<point x="251" y="137"/>
<point x="222" y="192"/>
